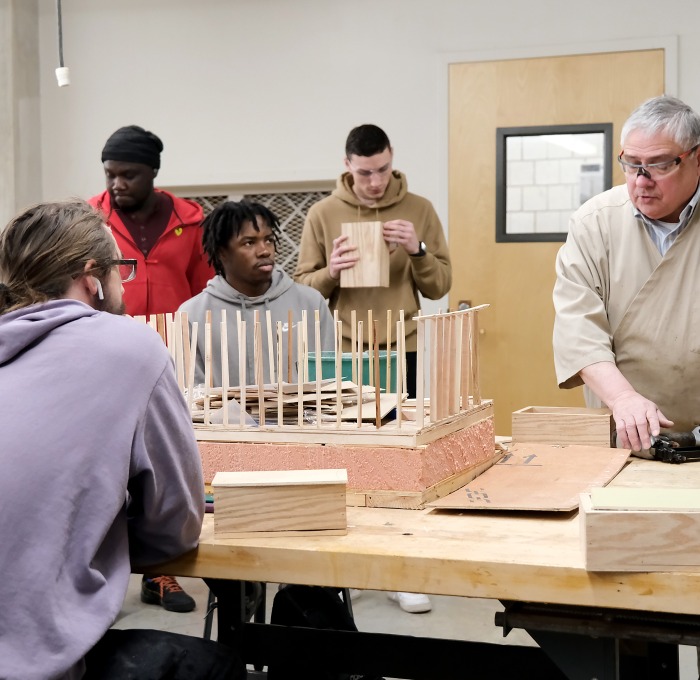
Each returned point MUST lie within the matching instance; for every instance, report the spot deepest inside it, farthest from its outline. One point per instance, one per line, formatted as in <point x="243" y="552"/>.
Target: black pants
<point x="159" y="655"/>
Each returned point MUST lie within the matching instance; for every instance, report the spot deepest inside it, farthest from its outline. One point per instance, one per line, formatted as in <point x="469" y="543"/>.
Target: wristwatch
<point x="421" y="250"/>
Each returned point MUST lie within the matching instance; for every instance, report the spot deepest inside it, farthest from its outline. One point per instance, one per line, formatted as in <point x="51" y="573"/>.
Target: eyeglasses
<point x="653" y="170"/>
<point x="381" y="172"/>
<point x="127" y="269"/>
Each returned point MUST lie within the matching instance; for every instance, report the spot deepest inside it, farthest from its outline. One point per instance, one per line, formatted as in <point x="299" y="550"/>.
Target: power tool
<point x="677" y="447"/>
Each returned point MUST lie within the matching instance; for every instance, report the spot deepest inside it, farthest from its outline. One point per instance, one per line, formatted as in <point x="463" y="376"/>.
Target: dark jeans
<point x="159" y="655"/>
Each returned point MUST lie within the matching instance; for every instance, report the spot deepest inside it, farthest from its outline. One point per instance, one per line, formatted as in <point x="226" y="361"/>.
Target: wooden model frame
<point x="452" y="355"/>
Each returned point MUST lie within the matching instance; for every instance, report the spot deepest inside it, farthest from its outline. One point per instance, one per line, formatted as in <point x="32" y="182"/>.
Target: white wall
<point x="251" y="91"/>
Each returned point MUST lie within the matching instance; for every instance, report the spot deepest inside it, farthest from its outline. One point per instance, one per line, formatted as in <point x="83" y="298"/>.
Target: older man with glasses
<point x="627" y="320"/>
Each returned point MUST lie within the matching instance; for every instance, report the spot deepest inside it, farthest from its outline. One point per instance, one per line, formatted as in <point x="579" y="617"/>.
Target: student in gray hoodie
<point x="240" y="240"/>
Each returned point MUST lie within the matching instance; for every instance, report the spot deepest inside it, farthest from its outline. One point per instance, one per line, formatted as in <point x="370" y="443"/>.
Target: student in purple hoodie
<point x="100" y="469"/>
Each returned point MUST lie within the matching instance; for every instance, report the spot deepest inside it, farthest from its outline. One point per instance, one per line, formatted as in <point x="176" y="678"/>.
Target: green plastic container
<point x="328" y="367"/>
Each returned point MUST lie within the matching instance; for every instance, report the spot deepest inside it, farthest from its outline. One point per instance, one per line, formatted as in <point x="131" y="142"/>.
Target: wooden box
<point x="640" y="529"/>
<point x="563" y="425"/>
<point x="280" y="503"/>
<point x="372" y="269"/>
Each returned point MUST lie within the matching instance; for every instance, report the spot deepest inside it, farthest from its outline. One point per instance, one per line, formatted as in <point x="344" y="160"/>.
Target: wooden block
<point x="563" y="425"/>
<point x="372" y="269"/>
<point x="640" y="540"/>
<point x="280" y="503"/>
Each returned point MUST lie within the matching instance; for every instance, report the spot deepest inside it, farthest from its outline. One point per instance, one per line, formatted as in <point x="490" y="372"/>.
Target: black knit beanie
<point x="133" y="144"/>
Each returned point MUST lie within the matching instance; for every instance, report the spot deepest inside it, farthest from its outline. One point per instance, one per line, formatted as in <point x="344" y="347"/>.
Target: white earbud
<point x="100" y="292"/>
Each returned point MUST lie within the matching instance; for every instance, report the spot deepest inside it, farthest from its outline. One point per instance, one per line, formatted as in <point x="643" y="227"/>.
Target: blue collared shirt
<point x="663" y="234"/>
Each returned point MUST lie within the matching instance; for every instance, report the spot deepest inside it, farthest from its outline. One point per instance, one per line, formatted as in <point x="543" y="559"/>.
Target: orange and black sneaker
<point x="166" y="591"/>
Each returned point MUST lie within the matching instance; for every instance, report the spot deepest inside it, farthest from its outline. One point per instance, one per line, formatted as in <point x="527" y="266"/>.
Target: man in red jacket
<point x="161" y="231"/>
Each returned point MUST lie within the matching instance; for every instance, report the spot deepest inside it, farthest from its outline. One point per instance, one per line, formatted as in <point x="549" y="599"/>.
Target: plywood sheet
<point x="538" y="477"/>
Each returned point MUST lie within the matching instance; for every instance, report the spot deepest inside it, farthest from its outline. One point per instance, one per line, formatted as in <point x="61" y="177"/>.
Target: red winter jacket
<point x="176" y="268"/>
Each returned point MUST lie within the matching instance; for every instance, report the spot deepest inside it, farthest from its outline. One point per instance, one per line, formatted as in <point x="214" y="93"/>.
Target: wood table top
<point x="530" y="557"/>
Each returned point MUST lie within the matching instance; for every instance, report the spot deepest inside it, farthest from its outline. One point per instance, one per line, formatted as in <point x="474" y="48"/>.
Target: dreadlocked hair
<point x="43" y="249"/>
<point x="226" y="221"/>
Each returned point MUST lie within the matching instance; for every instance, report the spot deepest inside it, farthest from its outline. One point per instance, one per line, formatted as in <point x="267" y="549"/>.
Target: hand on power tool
<point x="636" y="420"/>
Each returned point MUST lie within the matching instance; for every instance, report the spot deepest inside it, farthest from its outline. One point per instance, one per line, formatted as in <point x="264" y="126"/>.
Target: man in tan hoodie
<point x="371" y="190"/>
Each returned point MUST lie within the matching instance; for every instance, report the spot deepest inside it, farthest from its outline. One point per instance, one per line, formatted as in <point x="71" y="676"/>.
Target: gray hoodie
<point x="282" y="296"/>
<point x="100" y="471"/>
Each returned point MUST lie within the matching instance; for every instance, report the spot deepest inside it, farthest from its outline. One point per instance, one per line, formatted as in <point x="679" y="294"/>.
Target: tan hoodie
<point x="431" y="274"/>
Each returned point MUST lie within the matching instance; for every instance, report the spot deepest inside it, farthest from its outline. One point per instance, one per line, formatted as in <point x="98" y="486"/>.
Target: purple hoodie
<point x="100" y="471"/>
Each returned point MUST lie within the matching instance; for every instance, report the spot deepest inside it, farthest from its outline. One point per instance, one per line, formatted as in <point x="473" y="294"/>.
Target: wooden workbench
<point x="533" y="557"/>
<point x="512" y="557"/>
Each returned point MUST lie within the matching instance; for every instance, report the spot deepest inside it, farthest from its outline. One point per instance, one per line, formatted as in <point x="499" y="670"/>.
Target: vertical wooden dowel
<point x="290" y="344"/>
<point x="338" y="372"/>
<point x="432" y="356"/>
<point x="377" y="387"/>
<point x="401" y="378"/>
<point x="319" y="364"/>
<point x="457" y="387"/>
<point x="270" y="347"/>
<point x="185" y="325"/>
<point x="160" y="327"/>
<point x="300" y="372"/>
<point x="280" y="373"/>
<point x="466" y="360"/>
<point x="353" y="342"/>
<point x="304" y="347"/>
<point x="420" y="378"/>
<point x="242" y="369"/>
<point x="387" y="377"/>
<point x="475" y="358"/>
<point x="207" y="367"/>
<point x="153" y="323"/>
<point x="360" y="387"/>
<point x="168" y="328"/>
<point x="258" y="361"/>
<point x="370" y="346"/>
<point x="399" y="372"/>
<point x="224" y="367"/>
<point x="179" y="351"/>
<point x="193" y="361"/>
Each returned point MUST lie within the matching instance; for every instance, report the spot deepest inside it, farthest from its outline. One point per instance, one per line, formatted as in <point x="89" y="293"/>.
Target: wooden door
<point x="516" y="279"/>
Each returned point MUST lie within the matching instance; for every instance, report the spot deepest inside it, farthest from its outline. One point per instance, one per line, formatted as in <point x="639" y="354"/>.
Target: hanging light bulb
<point x="62" y="72"/>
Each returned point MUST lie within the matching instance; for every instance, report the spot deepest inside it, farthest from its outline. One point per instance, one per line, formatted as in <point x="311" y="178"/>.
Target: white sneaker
<point x="413" y="603"/>
<point x="354" y="594"/>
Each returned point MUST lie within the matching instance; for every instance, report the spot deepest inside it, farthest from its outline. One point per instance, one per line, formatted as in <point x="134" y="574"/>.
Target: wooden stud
<point x="242" y="373"/>
<point x="280" y="405"/>
<point x="300" y="369"/>
<point x="290" y="344"/>
<point x="475" y="358"/>
<point x="353" y="342"/>
<point x="207" y="367"/>
<point x="360" y="386"/>
<point x="420" y="378"/>
<point x="270" y="347"/>
<point x="338" y="372"/>
<point x="192" y="364"/>
<point x="387" y="384"/>
<point x="258" y="361"/>
<point x="185" y="342"/>
<point x="370" y="347"/>
<point x="224" y="367"/>
<point x="400" y="360"/>
<point x="319" y="364"/>
<point x="377" y="392"/>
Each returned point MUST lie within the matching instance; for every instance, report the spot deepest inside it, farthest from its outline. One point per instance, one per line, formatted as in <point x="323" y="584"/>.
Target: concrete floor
<point x="451" y="617"/>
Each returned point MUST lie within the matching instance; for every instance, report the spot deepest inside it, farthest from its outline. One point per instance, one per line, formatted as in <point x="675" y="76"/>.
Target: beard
<point x="110" y="306"/>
